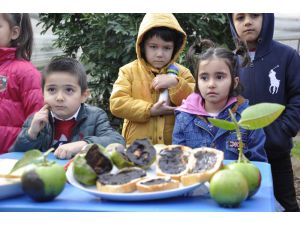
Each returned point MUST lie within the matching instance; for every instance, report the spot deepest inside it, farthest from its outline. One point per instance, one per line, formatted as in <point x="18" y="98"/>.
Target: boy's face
<point x="63" y="94"/>
<point x="248" y="26"/>
<point x="158" y="52"/>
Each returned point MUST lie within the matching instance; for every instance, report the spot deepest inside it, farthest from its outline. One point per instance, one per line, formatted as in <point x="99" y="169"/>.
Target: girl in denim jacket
<point x="217" y="90"/>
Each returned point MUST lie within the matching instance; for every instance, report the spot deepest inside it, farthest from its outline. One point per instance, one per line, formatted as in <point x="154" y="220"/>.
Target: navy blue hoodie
<point x="274" y="76"/>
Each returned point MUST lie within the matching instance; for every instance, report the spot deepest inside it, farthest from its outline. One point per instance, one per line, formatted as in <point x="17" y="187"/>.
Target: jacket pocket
<point x="278" y="142"/>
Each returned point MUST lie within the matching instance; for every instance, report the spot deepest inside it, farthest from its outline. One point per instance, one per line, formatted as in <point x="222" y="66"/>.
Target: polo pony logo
<point x="274" y="82"/>
<point x="3" y="83"/>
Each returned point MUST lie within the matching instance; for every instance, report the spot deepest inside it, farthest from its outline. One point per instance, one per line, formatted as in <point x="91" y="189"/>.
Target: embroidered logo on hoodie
<point x="274" y="82"/>
<point x="3" y="83"/>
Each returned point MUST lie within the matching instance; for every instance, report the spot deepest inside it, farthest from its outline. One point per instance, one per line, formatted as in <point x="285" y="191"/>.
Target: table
<point x="73" y="199"/>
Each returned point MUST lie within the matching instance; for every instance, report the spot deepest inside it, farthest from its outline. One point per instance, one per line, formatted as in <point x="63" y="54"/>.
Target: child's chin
<point x="61" y="116"/>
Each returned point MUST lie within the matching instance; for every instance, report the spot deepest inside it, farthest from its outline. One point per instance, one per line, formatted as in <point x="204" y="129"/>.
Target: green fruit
<point x="120" y="159"/>
<point x="44" y="181"/>
<point x="114" y="147"/>
<point x="118" y="155"/>
<point x="94" y="162"/>
<point x="228" y="188"/>
<point x="82" y="172"/>
<point x="251" y="173"/>
<point x="98" y="159"/>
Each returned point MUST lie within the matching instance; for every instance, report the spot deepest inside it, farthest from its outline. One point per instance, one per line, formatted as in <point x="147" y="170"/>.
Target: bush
<point x="107" y="41"/>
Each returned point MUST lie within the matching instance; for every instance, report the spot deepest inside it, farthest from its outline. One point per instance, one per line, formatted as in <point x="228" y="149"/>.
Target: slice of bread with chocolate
<point x="173" y="161"/>
<point x="158" y="183"/>
<point x="124" y="181"/>
<point x="203" y="163"/>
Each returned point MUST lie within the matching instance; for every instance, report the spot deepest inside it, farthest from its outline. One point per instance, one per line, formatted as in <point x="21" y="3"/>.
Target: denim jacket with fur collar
<point x="195" y="131"/>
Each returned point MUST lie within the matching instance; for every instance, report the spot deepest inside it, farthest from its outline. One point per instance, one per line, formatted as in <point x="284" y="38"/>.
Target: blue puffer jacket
<point x="92" y="126"/>
<point x="195" y="131"/>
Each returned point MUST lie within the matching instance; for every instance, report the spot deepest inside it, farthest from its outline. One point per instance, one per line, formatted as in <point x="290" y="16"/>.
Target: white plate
<point x="134" y="196"/>
<point x="9" y="187"/>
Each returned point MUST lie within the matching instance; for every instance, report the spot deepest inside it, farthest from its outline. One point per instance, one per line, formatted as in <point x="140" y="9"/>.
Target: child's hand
<point x="163" y="81"/>
<point x="39" y="121"/>
<point x="67" y="151"/>
<point x="160" y="108"/>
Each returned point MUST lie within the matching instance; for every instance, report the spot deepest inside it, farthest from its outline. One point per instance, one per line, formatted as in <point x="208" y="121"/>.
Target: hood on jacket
<point x="152" y="20"/>
<point x="194" y="104"/>
<point x="264" y="42"/>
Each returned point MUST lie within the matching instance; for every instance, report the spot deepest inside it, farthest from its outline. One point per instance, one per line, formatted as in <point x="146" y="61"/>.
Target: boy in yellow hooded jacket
<point x="136" y="92"/>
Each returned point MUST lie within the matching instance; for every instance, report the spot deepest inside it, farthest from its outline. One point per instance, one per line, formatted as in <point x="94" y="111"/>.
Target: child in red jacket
<point x="20" y="81"/>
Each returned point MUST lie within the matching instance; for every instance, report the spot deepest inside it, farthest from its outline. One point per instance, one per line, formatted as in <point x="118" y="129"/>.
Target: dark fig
<point x="141" y="153"/>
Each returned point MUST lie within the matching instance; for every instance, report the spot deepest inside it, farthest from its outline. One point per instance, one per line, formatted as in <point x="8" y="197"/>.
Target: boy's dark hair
<point x="205" y="49"/>
<point x="67" y="65"/>
<point x="165" y="33"/>
<point x="25" y="40"/>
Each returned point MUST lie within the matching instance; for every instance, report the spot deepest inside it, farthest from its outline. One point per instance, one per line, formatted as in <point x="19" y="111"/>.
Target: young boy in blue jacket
<point x="65" y="122"/>
<point x="273" y="76"/>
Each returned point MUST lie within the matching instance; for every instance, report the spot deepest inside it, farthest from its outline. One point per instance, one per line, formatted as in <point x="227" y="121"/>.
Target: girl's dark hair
<point x="25" y="40"/>
<point x="165" y="33"/>
<point x="205" y="49"/>
<point x="67" y="65"/>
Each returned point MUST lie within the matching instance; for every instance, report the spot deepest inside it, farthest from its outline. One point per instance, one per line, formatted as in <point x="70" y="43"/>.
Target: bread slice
<point x="204" y="162"/>
<point x="158" y="183"/>
<point x="173" y="161"/>
<point x="124" y="181"/>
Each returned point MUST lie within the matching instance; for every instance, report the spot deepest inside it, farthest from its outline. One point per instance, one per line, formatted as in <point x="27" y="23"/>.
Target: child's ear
<point x="15" y="32"/>
<point x="236" y="82"/>
<point x="85" y="95"/>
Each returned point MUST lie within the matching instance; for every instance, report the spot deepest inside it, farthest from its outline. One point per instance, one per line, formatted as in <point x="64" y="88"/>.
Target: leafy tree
<point x="106" y="41"/>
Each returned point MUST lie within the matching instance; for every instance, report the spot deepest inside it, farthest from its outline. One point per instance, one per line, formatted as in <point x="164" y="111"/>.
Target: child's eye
<point x="51" y="90"/>
<point x="69" y="90"/>
<point x="204" y="77"/>
<point x="152" y="46"/>
<point x="255" y="15"/>
<point x="220" y="76"/>
<point x="168" y="48"/>
<point x="239" y="18"/>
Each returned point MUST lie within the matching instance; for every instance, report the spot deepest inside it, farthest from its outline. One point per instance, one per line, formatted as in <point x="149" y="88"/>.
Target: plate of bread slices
<point x="141" y="174"/>
<point x="148" y="187"/>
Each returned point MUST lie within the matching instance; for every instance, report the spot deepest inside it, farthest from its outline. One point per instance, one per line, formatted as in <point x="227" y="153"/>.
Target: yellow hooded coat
<point x="132" y="96"/>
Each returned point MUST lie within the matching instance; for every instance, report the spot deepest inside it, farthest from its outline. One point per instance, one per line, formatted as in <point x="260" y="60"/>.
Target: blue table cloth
<point x="74" y="199"/>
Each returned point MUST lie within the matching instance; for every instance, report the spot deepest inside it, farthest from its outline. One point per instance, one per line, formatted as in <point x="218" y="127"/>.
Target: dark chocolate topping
<point x="122" y="177"/>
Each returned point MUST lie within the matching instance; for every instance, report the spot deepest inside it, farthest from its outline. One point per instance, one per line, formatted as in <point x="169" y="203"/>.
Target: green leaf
<point x="28" y="158"/>
<point x="260" y="115"/>
<point x="224" y="124"/>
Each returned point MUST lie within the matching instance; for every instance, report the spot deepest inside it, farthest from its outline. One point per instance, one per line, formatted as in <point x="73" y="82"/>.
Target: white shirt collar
<point x="74" y="116"/>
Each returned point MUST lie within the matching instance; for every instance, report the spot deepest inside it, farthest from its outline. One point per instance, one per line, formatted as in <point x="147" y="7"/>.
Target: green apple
<point x="44" y="181"/>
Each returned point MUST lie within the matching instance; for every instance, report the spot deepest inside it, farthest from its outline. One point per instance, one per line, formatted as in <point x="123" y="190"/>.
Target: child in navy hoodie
<point x="273" y="76"/>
